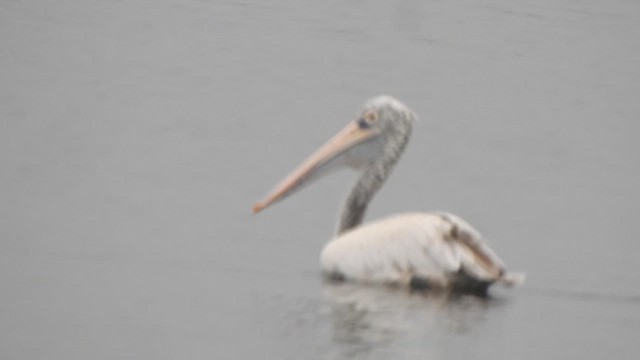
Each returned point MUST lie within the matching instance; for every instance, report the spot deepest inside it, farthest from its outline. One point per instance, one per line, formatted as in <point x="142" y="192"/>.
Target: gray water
<point x="136" y="135"/>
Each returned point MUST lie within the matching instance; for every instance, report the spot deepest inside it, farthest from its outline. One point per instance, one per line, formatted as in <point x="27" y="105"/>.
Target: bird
<point x="435" y="251"/>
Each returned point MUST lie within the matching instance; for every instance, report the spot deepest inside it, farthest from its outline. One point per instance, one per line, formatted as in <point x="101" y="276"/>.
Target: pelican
<point x="437" y="250"/>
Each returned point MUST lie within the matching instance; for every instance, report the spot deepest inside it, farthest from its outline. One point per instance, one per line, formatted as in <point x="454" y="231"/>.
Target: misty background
<point x="136" y="135"/>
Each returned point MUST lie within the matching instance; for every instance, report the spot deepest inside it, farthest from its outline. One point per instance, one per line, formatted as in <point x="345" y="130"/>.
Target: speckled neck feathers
<point x="373" y="177"/>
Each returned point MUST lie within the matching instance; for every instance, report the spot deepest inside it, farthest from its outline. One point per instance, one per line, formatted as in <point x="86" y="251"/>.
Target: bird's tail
<point x="512" y="279"/>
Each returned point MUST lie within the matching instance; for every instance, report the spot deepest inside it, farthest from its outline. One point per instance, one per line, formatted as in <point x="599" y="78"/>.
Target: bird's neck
<point x="371" y="180"/>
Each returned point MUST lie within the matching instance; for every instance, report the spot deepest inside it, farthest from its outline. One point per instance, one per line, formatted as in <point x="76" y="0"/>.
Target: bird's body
<point x="425" y="250"/>
<point x="432" y="250"/>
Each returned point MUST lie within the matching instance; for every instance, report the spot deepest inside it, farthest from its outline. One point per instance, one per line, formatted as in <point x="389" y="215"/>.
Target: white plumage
<point x="436" y="247"/>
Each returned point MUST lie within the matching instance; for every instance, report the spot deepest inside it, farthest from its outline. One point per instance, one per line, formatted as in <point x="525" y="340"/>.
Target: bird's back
<point x="439" y="249"/>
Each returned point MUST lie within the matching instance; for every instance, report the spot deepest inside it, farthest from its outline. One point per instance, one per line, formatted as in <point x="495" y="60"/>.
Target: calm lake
<point x="136" y="135"/>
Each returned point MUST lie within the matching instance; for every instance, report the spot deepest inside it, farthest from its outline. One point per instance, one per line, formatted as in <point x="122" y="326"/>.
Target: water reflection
<point x="365" y="319"/>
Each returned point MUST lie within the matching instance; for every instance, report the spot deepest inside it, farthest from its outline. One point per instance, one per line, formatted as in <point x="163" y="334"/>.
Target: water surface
<point x="136" y="136"/>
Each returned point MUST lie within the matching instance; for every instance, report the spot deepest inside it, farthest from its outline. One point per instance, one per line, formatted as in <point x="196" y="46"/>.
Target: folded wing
<point x="437" y="247"/>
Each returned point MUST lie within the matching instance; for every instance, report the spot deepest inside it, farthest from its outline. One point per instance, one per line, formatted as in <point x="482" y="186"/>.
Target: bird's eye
<point x="368" y="119"/>
<point x="370" y="116"/>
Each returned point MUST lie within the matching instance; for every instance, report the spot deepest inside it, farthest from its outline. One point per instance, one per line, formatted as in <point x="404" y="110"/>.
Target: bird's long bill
<point x="334" y="153"/>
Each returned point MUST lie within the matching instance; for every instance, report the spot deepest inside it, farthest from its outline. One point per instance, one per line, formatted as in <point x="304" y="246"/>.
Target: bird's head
<point x="382" y="121"/>
<point x="386" y="115"/>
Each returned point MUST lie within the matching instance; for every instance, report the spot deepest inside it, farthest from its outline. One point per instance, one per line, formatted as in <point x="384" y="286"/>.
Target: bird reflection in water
<point x="378" y="320"/>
